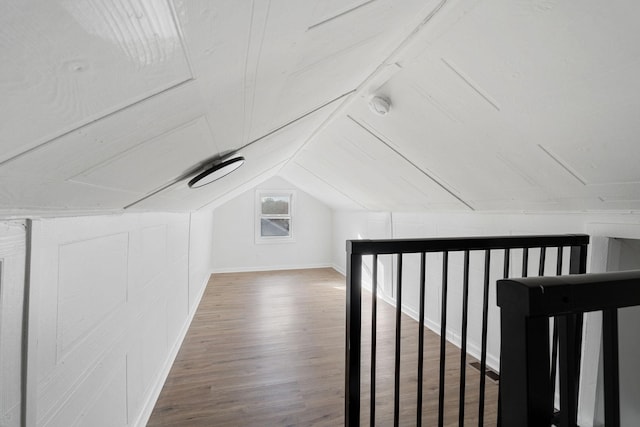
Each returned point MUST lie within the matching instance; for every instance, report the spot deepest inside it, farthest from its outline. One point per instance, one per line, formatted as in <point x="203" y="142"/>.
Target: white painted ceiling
<point x="496" y="105"/>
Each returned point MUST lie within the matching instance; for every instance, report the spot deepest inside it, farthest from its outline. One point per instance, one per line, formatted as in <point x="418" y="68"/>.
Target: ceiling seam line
<point x="321" y="127"/>
<point x="369" y="131"/>
<point x="333" y="187"/>
<point x="295" y="120"/>
<point x="246" y="68"/>
<point x="562" y="164"/>
<point x="340" y="14"/>
<point x="257" y="66"/>
<point x="244" y="183"/>
<point x="473" y="86"/>
<point x="96" y="120"/>
<point x="187" y="53"/>
<point x="389" y="59"/>
<point x="180" y="178"/>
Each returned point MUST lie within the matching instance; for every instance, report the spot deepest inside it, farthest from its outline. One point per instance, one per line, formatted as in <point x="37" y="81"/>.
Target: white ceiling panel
<point x="217" y="35"/>
<point x="353" y="25"/>
<point x="76" y="151"/>
<point x="58" y="196"/>
<point x="566" y="204"/>
<point x="65" y="64"/>
<point x="370" y="172"/>
<point x="339" y="51"/>
<point x="618" y="193"/>
<point x="601" y="157"/>
<point x="267" y="155"/>
<point x="52" y="165"/>
<point x="566" y="76"/>
<point x="456" y="139"/>
<point x="243" y="53"/>
<point x="272" y="49"/>
<point x="500" y="116"/>
<point x="159" y="160"/>
<point x="331" y="75"/>
<point x="267" y="63"/>
<point x="495" y="105"/>
<point x="313" y="184"/>
<point x="330" y="10"/>
<point x="536" y="51"/>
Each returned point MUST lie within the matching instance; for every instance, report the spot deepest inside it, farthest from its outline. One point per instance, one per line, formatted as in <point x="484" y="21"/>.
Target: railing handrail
<point x="559" y="295"/>
<point x="357" y="249"/>
<point x="526" y="304"/>
<point x="395" y="246"/>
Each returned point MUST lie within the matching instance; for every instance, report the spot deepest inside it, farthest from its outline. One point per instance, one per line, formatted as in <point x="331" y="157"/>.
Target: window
<point x="274" y="217"/>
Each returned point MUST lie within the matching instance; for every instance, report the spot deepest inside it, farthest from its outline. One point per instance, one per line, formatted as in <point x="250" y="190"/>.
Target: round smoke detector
<point x="380" y="105"/>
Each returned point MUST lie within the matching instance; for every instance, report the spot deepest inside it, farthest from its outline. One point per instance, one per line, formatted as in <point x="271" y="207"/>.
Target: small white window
<point x="274" y="216"/>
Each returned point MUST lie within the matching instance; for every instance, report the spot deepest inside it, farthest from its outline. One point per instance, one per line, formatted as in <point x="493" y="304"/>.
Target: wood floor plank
<point x="267" y="349"/>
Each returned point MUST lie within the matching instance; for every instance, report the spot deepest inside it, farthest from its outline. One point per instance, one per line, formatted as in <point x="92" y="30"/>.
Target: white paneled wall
<point x="113" y="297"/>
<point x="367" y="225"/>
<point x="200" y="254"/>
<point x="12" y="268"/>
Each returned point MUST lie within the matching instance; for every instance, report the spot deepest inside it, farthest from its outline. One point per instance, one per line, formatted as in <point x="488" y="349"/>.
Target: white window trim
<point x="259" y="239"/>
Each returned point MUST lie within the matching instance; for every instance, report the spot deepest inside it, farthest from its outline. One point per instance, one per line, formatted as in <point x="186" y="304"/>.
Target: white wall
<point x="235" y="248"/>
<point x="624" y="254"/>
<point x="12" y="269"/>
<point x="200" y="254"/>
<point x="111" y="299"/>
<point x="352" y="225"/>
<point x="112" y="296"/>
<point x="349" y="225"/>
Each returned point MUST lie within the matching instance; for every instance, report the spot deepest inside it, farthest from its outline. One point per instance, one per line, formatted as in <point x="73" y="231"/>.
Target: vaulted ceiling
<point x="496" y="105"/>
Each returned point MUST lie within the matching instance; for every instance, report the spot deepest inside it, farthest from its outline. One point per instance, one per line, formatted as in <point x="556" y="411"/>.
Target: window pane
<point x="275" y="205"/>
<point x="274" y="227"/>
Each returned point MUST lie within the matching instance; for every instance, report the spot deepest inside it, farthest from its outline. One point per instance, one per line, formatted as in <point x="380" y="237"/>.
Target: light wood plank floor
<point x="267" y="349"/>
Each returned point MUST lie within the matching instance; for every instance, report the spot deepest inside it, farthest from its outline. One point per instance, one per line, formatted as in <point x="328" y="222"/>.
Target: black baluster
<point x="443" y="335"/>
<point x="374" y="321"/>
<point x="396" y="404"/>
<point x="483" y="353"/>
<point x="463" y="349"/>
<point x="421" y="338"/>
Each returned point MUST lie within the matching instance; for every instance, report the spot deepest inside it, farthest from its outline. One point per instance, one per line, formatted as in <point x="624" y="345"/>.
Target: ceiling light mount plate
<point x="216" y="171"/>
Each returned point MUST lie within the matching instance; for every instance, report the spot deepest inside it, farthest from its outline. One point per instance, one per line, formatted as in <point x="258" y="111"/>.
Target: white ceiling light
<point x="216" y="171"/>
<point x="380" y="105"/>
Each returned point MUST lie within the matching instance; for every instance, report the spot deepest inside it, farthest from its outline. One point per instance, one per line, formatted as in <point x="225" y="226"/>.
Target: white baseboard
<point x="269" y="268"/>
<point x="150" y="403"/>
<point x="339" y="269"/>
<point x="493" y="362"/>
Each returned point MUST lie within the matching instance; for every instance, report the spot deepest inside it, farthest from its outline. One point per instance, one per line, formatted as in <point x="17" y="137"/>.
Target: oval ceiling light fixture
<point x="380" y="105"/>
<point x="216" y="171"/>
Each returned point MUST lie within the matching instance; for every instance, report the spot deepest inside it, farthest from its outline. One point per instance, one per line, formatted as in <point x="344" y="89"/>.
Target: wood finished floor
<point x="267" y="349"/>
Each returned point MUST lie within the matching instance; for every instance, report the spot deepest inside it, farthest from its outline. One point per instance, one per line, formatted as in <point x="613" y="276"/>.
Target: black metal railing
<point x="526" y="306"/>
<point x="573" y="246"/>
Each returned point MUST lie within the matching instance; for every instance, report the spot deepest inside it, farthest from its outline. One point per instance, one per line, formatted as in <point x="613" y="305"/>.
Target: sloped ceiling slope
<point x="111" y="104"/>
<point x="495" y="105"/>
